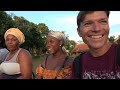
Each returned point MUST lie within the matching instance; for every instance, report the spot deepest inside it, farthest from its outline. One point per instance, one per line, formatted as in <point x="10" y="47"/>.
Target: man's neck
<point x="100" y="51"/>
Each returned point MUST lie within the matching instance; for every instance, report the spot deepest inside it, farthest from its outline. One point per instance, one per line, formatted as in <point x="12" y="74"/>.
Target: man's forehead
<point x="95" y="16"/>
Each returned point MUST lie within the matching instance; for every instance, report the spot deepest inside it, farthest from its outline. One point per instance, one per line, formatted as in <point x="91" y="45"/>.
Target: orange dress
<point x="51" y="74"/>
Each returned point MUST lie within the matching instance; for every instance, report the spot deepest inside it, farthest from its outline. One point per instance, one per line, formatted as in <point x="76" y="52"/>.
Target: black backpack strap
<point x="118" y="54"/>
<point x="45" y="61"/>
<point x="77" y="66"/>
<point x="33" y="75"/>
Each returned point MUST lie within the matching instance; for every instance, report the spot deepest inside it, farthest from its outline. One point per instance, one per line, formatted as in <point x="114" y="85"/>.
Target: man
<point x="100" y="61"/>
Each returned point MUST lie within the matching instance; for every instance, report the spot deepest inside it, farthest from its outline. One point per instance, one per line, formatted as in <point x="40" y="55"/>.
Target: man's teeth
<point x="96" y="37"/>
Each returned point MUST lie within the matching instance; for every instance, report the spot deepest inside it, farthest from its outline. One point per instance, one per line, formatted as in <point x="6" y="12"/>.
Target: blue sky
<point x="66" y="21"/>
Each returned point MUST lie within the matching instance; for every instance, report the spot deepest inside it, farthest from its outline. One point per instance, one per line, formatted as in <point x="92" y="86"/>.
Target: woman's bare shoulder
<point x="24" y="55"/>
<point x="24" y="52"/>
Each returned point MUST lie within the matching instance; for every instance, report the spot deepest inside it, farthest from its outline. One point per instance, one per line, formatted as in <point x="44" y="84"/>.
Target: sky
<point x="66" y="21"/>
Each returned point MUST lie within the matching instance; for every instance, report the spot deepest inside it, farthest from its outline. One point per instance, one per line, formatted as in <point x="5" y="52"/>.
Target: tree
<point x="70" y="45"/>
<point x="43" y="30"/>
<point x="29" y="30"/>
<point x="111" y="39"/>
<point x="117" y="40"/>
<point x="6" y="22"/>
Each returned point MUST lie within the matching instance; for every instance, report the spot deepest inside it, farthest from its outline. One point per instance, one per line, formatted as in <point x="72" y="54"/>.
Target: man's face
<point x="94" y="29"/>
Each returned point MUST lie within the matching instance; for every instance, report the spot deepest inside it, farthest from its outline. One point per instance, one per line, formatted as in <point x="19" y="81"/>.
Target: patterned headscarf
<point x="58" y="35"/>
<point x="17" y="33"/>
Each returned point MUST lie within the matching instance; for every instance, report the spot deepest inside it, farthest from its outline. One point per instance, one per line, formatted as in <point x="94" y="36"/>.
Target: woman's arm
<point x="25" y="61"/>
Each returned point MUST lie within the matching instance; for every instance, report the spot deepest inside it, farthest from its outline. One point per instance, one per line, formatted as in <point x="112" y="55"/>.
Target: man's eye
<point x="104" y="22"/>
<point x="87" y="23"/>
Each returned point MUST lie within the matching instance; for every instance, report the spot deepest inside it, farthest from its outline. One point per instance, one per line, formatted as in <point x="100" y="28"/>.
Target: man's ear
<point x="79" y="32"/>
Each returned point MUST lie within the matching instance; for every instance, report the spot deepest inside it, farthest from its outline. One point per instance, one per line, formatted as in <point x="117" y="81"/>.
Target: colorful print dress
<point x="64" y="72"/>
<point x="51" y="74"/>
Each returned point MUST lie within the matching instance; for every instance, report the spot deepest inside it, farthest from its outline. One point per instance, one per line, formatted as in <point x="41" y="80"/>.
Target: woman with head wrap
<point x="57" y="64"/>
<point x="18" y="62"/>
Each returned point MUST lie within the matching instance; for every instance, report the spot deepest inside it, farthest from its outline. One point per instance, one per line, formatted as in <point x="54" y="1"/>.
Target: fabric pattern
<point x="50" y="74"/>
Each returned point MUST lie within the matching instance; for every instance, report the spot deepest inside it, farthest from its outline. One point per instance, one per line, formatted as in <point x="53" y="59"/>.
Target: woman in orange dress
<point x="57" y="65"/>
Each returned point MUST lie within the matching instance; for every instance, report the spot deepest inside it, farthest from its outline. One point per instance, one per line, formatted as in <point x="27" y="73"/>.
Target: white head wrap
<point x="58" y="35"/>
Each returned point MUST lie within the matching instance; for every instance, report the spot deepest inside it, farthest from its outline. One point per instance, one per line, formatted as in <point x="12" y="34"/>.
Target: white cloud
<point x="67" y="19"/>
<point x="115" y="30"/>
<point x="67" y="24"/>
<point x="114" y="18"/>
<point x="114" y="34"/>
<point x="75" y="38"/>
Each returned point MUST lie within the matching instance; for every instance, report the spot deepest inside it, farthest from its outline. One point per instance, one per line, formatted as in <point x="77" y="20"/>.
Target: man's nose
<point x="96" y="26"/>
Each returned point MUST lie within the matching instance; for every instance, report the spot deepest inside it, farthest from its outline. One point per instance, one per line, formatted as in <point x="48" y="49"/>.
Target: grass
<point x="36" y="61"/>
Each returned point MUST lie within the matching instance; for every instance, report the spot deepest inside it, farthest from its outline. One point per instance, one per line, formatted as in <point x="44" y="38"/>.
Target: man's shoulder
<point x="115" y="45"/>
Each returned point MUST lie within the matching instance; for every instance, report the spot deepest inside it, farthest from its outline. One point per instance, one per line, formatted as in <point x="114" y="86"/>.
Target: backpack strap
<point x="77" y="66"/>
<point x="46" y="61"/>
<point x="118" y="54"/>
<point x="33" y="75"/>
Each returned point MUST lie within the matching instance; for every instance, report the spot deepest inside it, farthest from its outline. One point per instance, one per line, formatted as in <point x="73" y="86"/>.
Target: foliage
<point x="112" y="39"/>
<point x="6" y="22"/>
<point x="35" y="35"/>
<point x="70" y="45"/>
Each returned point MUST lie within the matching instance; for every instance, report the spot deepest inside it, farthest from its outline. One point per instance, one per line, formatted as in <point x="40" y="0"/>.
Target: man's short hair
<point x="82" y="14"/>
